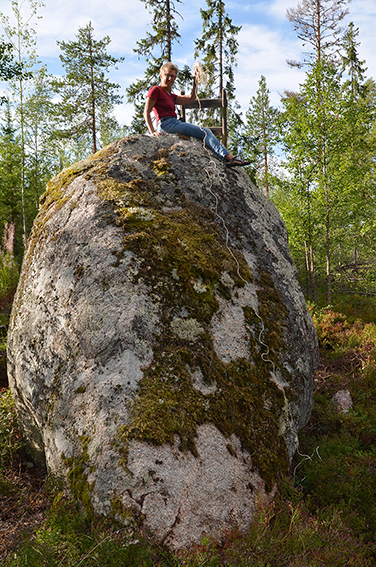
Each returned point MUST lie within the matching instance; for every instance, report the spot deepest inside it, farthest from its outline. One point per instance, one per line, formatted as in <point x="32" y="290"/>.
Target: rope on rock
<point x="218" y="175"/>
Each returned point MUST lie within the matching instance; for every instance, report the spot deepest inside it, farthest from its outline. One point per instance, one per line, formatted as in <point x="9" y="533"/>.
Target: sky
<point x="266" y="39"/>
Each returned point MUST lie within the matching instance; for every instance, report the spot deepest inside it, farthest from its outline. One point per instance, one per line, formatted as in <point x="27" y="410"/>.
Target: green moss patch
<point x="78" y="472"/>
<point x="246" y="403"/>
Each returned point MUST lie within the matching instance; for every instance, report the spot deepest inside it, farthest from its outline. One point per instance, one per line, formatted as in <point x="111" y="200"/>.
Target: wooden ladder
<point x="219" y="131"/>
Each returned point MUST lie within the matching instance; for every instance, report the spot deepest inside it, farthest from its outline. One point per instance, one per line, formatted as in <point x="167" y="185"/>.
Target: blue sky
<point x="266" y="39"/>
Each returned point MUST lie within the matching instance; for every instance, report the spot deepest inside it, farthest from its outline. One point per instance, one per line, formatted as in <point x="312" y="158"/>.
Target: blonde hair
<point x="167" y="66"/>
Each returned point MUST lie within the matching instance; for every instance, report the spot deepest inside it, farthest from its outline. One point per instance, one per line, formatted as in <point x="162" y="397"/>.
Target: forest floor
<point x="328" y="501"/>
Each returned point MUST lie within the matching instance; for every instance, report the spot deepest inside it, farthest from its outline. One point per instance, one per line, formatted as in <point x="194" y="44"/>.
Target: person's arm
<point x="186" y="99"/>
<point x="149" y="104"/>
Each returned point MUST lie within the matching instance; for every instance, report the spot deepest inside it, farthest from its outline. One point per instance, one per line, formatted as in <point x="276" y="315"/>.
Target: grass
<point x="67" y="538"/>
<point x="324" y="513"/>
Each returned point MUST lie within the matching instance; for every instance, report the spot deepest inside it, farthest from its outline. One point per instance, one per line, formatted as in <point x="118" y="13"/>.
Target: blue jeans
<point x="172" y="125"/>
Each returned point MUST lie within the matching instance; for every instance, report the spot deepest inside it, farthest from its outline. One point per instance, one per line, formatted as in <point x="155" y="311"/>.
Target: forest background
<point x="311" y="139"/>
<point x="312" y="148"/>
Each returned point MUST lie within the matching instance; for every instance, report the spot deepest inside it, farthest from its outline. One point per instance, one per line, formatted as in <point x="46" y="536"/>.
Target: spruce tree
<point x="84" y="90"/>
<point x="219" y="47"/>
<point x="351" y="64"/>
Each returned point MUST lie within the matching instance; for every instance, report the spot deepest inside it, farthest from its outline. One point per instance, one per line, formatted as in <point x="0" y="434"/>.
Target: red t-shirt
<point x="165" y="105"/>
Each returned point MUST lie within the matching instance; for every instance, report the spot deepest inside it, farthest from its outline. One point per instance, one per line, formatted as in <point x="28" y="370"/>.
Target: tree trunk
<point x="306" y="257"/>
<point x="23" y="203"/>
<point x="220" y="23"/>
<point x="312" y="271"/>
<point x="168" y="31"/>
<point x="22" y="124"/>
<point x="92" y="95"/>
<point x="265" y="150"/>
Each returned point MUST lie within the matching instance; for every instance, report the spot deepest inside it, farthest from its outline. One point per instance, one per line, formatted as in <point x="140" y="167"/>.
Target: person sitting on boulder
<point x="162" y="102"/>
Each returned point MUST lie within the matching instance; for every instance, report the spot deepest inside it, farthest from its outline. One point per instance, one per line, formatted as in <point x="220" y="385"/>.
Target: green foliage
<point x="350" y="62"/>
<point x="41" y="154"/>
<point x="284" y="533"/>
<point x="84" y="91"/>
<point x="9" y="434"/>
<point x="329" y="206"/>
<point x="67" y="537"/>
<point x="9" y="68"/>
<point x="22" y="35"/>
<point x="337" y="471"/>
<point x="355" y="307"/>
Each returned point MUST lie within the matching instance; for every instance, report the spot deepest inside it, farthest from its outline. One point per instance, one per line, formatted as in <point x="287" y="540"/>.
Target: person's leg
<point x="214" y="144"/>
<point x="175" y="126"/>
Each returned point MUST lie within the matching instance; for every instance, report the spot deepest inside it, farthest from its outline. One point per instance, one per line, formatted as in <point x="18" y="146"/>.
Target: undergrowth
<point x="324" y="513"/>
<point x="339" y="469"/>
<point x="68" y="538"/>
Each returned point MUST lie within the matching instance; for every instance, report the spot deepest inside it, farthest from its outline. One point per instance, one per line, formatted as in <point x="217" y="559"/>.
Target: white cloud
<point x="264" y="52"/>
<point x="266" y="39"/>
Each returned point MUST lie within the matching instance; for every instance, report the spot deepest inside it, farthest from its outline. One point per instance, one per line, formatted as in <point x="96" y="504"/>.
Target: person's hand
<point x="156" y="134"/>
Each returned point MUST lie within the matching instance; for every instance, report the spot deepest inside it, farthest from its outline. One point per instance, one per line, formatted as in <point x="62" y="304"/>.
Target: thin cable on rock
<point x="201" y="77"/>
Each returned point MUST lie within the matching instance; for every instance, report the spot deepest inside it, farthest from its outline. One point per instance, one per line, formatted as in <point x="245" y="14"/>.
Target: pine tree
<point x="219" y="47"/>
<point x="317" y="23"/>
<point x="164" y="34"/>
<point x="261" y="133"/>
<point x="84" y="91"/>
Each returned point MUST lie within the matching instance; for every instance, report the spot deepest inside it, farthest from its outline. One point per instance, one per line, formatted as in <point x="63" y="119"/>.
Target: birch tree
<point x="20" y="32"/>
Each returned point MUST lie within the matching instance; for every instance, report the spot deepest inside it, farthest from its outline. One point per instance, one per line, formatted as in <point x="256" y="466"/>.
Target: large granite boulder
<point x="160" y="352"/>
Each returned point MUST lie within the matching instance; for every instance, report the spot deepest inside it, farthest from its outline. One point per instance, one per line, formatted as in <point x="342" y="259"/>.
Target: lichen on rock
<point x="160" y="351"/>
